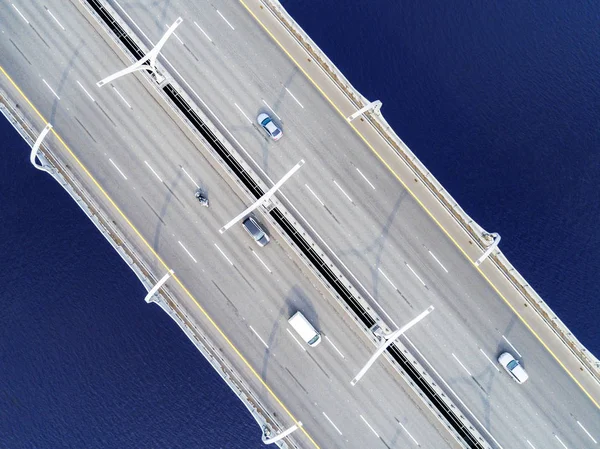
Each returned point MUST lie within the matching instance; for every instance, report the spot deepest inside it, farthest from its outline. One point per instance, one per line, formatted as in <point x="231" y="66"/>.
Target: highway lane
<point x="141" y="164"/>
<point x="375" y="242"/>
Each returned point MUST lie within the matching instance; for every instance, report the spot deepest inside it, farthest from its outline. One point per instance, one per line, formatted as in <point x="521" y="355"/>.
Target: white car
<point x="270" y="127"/>
<point x="513" y="367"/>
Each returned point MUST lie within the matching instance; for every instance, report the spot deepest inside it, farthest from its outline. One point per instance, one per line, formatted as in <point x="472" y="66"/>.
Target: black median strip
<point x="450" y="414"/>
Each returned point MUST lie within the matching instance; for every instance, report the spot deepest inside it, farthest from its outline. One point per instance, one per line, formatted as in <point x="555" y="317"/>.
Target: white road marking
<point x="122" y="98"/>
<point x="387" y="278"/>
<point x="436" y="259"/>
<point x="489" y="360"/>
<point x="334" y="347"/>
<point x="55" y="19"/>
<point x="260" y="169"/>
<point x="227" y="258"/>
<point x="372" y="430"/>
<point x="243" y="113"/>
<point x="256" y="333"/>
<point x="338" y="186"/>
<point x="412" y="438"/>
<point x="514" y="349"/>
<point x="529" y="442"/>
<point x="588" y="434"/>
<point x="292" y="335"/>
<point x="314" y="194"/>
<point x="450" y="389"/>
<point x="274" y="113"/>
<point x="51" y="90"/>
<point x="16" y="9"/>
<point x="462" y="365"/>
<point x="416" y="275"/>
<point x="174" y="34"/>
<point x="88" y="94"/>
<point x="288" y="91"/>
<point x="264" y="264"/>
<point x="118" y="169"/>
<point x="155" y="174"/>
<point x="331" y="422"/>
<point x="203" y="32"/>
<point x="191" y="179"/>
<point x="560" y="441"/>
<point x="226" y="21"/>
<point x="185" y="249"/>
<point x="365" y="178"/>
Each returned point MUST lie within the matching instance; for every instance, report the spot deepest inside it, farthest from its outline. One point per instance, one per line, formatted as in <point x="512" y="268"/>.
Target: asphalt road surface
<point x="353" y="205"/>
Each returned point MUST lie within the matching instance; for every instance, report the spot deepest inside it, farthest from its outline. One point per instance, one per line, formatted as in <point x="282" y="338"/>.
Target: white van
<point x="306" y="330"/>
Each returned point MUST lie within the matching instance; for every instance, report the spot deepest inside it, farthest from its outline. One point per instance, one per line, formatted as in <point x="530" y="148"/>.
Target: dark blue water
<point x="499" y="100"/>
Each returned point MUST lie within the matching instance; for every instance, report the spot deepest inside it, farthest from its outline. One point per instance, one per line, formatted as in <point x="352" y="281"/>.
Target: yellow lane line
<point x="382" y="160"/>
<point x="87" y="172"/>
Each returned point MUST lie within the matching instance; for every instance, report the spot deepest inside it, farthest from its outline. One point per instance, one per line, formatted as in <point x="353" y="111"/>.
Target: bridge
<point x="364" y="238"/>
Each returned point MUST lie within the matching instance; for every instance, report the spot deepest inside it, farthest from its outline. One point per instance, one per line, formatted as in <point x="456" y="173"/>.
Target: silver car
<point x="513" y="367"/>
<point x="269" y="126"/>
<point x="256" y="231"/>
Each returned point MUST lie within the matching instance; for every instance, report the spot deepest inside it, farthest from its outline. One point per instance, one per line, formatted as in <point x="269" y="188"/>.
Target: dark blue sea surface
<point x="499" y="99"/>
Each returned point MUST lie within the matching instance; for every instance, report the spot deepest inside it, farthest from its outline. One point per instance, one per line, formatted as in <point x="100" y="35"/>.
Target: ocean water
<point x="500" y="100"/>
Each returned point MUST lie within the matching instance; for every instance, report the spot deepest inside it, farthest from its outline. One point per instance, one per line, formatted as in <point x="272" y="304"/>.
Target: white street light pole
<point x="492" y="247"/>
<point x="282" y="435"/>
<point x="263" y="199"/>
<point x="158" y="285"/>
<point x="389" y="341"/>
<point x="374" y="105"/>
<point x="150" y="57"/>
<point x="36" y="146"/>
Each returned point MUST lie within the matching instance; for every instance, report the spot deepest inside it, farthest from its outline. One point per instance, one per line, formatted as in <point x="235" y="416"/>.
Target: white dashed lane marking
<point x="17" y="9"/>
<point x="51" y="90"/>
<point x="369" y="425"/>
<point x="203" y="32"/>
<point x="55" y="19"/>
<point x="85" y="90"/>
<point x="342" y="190"/>
<point x="256" y="333"/>
<point x="118" y="169"/>
<point x="314" y="194"/>
<point x="365" y="178"/>
<point x="463" y="366"/>
<point x="186" y="250"/>
<point x="226" y="21"/>
<point x="331" y="422"/>
<point x="226" y="258"/>
<point x="300" y="104"/>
